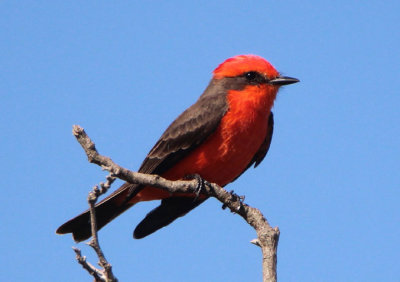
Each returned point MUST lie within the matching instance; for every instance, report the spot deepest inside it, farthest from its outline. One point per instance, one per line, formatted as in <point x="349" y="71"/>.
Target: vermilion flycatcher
<point x="225" y="132"/>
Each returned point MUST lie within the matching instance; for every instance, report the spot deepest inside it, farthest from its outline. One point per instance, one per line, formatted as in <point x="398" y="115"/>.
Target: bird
<point x="226" y="131"/>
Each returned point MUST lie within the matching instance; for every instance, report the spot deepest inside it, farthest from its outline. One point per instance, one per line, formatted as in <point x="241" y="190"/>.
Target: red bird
<point x="225" y="132"/>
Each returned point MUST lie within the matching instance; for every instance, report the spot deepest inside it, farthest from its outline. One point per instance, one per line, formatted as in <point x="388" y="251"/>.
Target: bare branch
<point x="94" y="243"/>
<point x="267" y="237"/>
<point x="97" y="274"/>
<point x="105" y="275"/>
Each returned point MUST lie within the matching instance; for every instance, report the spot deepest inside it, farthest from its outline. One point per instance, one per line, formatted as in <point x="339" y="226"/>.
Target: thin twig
<point x="267" y="237"/>
<point x="94" y="243"/>
<point x="106" y="274"/>
<point x="96" y="273"/>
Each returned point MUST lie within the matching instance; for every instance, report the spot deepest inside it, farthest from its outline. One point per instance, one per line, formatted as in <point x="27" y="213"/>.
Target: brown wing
<point x="188" y="131"/>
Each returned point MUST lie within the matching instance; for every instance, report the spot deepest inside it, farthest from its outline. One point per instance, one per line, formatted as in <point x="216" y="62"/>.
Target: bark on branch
<point x="267" y="237"/>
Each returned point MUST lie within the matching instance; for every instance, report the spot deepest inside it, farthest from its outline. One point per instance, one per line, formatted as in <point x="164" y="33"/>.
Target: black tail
<point x="169" y="210"/>
<point x="115" y="204"/>
<point x="106" y="210"/>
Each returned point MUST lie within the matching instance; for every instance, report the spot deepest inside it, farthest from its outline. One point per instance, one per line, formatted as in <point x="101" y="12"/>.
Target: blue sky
<point x="125" y="69"/>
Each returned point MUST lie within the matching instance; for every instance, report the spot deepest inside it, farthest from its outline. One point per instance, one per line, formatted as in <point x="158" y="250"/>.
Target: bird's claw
<point x="200" y="183"/>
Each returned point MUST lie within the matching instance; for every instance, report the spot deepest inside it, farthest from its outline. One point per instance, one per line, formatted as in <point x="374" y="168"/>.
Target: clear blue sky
<point x="125" y="69"/>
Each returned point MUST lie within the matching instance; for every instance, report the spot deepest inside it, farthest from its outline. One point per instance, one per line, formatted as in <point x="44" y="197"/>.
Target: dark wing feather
<point x="188" y="131"/>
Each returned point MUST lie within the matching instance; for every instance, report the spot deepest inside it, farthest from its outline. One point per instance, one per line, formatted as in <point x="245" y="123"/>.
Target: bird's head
<point x="251" y="70"/>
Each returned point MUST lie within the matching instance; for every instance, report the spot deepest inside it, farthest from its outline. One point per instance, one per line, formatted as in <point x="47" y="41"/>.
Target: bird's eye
<point x="251" y="75"/>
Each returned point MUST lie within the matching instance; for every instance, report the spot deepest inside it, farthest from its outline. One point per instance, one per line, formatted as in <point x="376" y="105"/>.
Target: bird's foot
<point x="200" y="183"/>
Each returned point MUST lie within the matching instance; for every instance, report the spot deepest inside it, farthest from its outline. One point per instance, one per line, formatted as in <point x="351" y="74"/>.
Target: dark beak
<point x="283" y="80"/>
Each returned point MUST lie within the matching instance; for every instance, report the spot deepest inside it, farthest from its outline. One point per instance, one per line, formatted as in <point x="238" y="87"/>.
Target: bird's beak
<point x="283" y="80"/>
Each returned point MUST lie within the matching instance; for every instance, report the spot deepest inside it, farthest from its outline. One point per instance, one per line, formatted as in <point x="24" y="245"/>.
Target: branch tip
<point x="77" y="130"/>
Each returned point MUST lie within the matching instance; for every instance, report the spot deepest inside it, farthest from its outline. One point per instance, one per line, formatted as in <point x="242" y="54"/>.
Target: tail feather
<point x="106" y="210"/>
<point x="121" y="200"/>
<point x="80" y="227"/>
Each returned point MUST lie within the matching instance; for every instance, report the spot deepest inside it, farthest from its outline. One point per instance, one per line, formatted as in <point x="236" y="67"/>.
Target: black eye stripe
<point x="240" y="81"/>
<point x="254" y="77"/>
